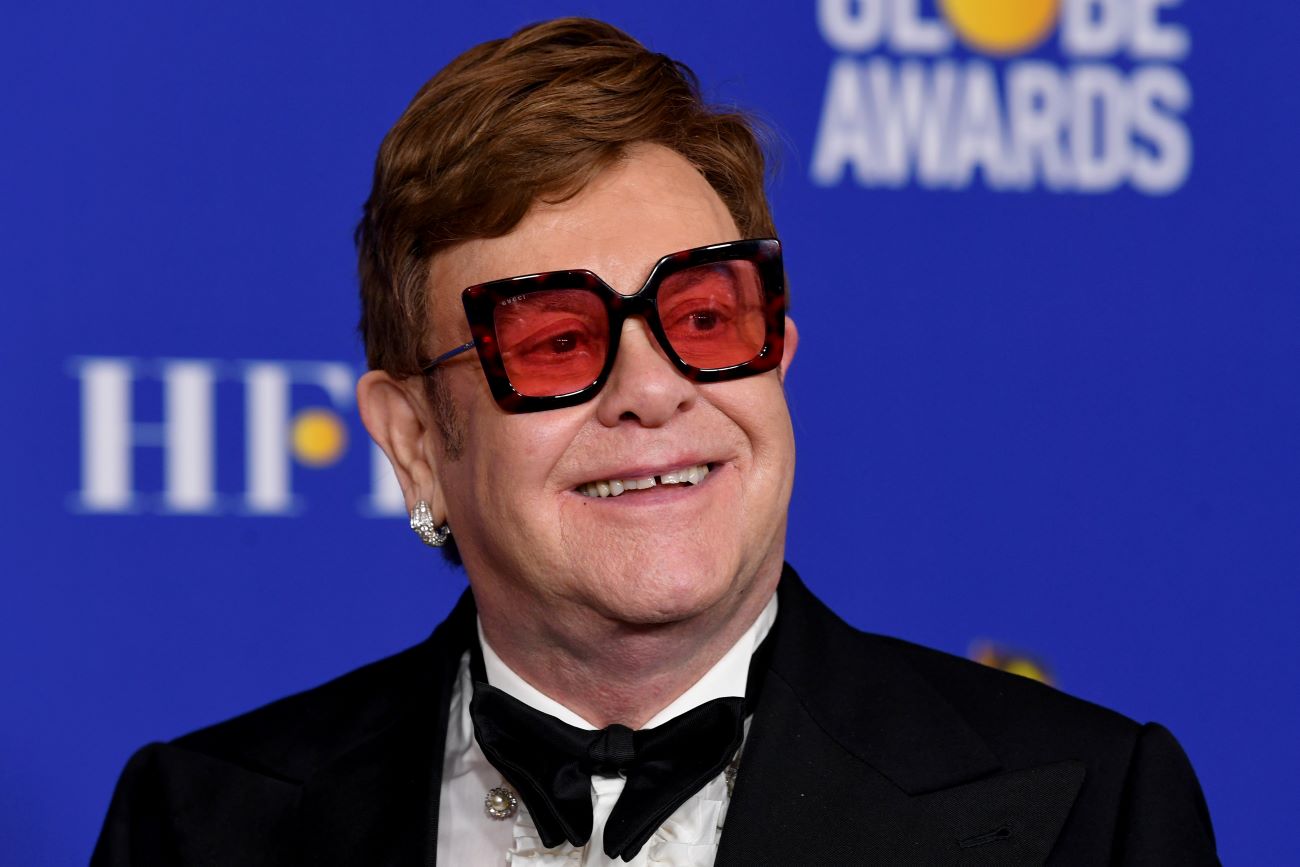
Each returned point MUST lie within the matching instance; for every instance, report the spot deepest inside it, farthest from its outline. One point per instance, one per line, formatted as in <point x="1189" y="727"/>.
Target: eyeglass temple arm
<point x="451" y="353"/>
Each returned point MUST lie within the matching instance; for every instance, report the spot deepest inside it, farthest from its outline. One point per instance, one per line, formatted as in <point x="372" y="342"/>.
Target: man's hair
<point x="509" y="122"/>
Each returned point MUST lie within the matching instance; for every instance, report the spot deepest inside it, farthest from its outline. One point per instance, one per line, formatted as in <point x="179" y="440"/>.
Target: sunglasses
<point x="549" y="340"/>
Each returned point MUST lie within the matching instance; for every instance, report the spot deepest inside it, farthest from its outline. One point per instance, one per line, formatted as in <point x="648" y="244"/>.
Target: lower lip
<point x="656" y="495"/>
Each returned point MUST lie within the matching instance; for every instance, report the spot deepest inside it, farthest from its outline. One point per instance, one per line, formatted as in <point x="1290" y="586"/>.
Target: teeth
<point x="615" y="487"/>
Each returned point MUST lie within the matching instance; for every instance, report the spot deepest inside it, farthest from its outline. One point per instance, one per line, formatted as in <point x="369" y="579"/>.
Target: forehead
<point x="650" y="203"/>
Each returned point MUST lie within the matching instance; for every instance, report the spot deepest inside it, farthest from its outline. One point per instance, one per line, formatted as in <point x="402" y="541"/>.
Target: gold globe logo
<point x="1001" y="27"/>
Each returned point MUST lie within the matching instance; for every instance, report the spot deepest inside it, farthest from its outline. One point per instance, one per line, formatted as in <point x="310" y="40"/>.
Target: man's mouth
<point x="615" y="487"/>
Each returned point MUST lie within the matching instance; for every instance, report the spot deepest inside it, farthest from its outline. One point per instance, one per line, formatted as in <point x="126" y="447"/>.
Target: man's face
<point x="527" y="533"/>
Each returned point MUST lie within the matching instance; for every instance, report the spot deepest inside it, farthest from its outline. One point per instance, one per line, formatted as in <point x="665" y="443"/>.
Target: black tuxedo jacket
<point x="862" y="750"/>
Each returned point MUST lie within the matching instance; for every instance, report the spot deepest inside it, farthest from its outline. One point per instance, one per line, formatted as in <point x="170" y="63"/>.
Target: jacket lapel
<point x="377" y="802"/>
<point x="853" y="757"/>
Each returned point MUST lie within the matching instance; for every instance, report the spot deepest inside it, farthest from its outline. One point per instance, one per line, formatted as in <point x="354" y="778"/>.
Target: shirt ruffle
<point x="528" y="850"/>
<point x="690" y="836"/>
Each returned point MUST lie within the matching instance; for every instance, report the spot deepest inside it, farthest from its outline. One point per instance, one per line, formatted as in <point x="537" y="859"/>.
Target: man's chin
<point x="664" y="590"/>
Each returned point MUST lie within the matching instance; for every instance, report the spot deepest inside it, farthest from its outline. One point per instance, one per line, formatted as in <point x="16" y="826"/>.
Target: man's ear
<point x="791" y="344"/>
<point x="396" y="418"/>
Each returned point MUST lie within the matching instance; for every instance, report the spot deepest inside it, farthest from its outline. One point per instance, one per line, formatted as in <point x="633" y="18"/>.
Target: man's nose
<point x="643" y="386"/>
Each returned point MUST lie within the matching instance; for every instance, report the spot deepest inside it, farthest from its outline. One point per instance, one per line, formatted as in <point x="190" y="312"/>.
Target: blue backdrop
<point x="1064" y="415"/>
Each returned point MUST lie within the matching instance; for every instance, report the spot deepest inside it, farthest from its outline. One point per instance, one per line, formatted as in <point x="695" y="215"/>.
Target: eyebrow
<point x="699" y="273"/>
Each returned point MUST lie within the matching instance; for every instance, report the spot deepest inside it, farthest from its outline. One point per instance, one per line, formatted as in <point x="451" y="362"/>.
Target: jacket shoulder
<point x="1015" y="714"/>
<point x="292" y="736"/>
<point x="228" y="793"/>
<point x="844" y="676"/>
<point x="934" y="724"/>
<point x="1140" y="791"/>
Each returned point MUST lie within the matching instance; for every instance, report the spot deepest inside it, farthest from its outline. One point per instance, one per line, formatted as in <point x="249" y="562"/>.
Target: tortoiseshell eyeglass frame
<point x="481" y="301"/>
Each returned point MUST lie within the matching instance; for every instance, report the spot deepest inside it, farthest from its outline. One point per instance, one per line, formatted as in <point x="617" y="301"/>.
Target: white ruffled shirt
<point x="468" y="837"/>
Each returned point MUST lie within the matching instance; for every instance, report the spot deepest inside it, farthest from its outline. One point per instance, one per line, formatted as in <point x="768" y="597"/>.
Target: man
<point x="574" y="311"/>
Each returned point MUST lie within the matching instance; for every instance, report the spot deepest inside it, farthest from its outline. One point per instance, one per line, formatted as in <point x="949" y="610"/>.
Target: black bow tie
<point x="550" y="763"/>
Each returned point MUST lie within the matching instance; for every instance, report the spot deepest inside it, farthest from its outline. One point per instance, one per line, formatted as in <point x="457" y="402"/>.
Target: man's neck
<point x="620" y="673"/>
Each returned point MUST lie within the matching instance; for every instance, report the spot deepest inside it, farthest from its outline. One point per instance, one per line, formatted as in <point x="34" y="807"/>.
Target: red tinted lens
<point x="553" y="341"/>
<point x="713" y="314"/>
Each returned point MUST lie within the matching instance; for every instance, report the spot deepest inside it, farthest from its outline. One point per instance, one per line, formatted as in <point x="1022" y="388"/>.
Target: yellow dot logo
<point x="1001" y="27"/>
<point x="319" y="437"/>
